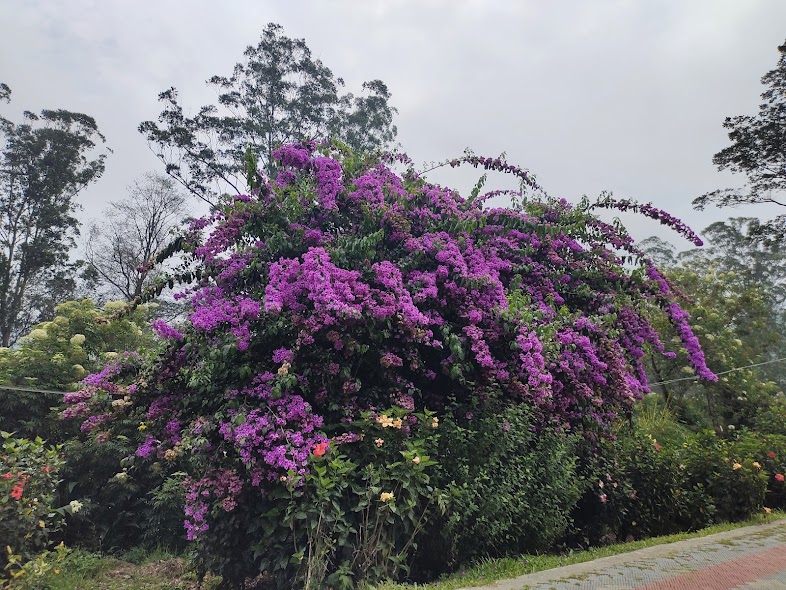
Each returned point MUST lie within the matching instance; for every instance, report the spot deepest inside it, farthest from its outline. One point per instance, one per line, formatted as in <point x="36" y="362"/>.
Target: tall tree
<point x="279" y="94"/>
<point x="132" y="232"/>
<point x="758" y="151"/>
<point x="45" y="161"/>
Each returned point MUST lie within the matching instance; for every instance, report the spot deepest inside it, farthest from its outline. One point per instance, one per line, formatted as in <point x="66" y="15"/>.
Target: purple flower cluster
<point x="166" y="331"/>
<point x="329" y="186"/>
<point x="648" y="210"/>
<point x="276" y="435"/>
<point x="211" y="309"/>
<point x="222" y="486"/>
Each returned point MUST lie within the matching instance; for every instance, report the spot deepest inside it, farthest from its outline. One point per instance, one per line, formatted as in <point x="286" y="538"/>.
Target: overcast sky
<point x="620" y="95"/>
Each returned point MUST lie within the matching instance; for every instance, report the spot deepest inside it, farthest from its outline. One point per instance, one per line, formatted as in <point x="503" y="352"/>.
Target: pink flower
<point x="771" y="455"/>
<point x="603" y="498"/>
<point x="779" y="477"/>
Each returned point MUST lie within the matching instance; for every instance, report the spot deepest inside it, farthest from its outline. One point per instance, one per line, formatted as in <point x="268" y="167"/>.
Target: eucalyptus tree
<point x="280" y="93"/>
<point x="45" y="161"/>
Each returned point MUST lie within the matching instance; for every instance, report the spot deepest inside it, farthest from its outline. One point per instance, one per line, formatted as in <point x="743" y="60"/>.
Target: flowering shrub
<point x="640" y="488"/>
<point x="29" y="511"/>
<point x="635" y="489"/>
<point x="736" y="483"/>
<point x="769" y="452"/>
<point x="340" y="288"/>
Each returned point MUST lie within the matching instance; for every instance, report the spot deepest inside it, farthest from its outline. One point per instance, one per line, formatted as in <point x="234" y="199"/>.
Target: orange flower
<point x="379" y="442"/>
<point x="320" y="449"/>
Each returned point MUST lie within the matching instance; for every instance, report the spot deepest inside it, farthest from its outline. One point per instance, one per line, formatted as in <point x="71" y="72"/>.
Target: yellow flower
<point x="384" y="420"/>
<point x="736" y="466"/>
<point x="41" y="523"/>
<point x="379" y="442"/>
<point x="385" y="497"/>
<point x="416" y="460"/>
<point x="767" y="510"/>
<point x="434" y="422"/>
<point x="757" y="465"/>
<point x="397" y="423"/>
<point x="283" y="370"/>
<point x="142" y="427"/>
<point x="170" y="455"/>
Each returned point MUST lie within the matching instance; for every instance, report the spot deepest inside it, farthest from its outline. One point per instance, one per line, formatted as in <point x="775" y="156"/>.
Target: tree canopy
<point x="757" y="151"/>
<point x="278" y="94"/>
<point x="45" y="162"/>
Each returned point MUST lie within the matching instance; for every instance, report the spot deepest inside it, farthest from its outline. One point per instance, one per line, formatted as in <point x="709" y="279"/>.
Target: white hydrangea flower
<point x="38" y="334"/>
<point x="78" y="339"/>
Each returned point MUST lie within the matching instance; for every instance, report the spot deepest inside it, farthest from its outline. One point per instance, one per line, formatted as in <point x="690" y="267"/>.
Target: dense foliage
<point x="30" y="512"/>
<point x="340" y="293"/>
<point x="56" y="355"/>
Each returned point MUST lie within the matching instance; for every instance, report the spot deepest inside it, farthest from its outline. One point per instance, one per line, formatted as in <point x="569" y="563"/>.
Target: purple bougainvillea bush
<point x="342" y="292"/>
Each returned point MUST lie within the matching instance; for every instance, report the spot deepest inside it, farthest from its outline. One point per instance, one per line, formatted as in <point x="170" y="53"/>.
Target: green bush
<point x="508" y="489"/>
<point x="634" y="491"/>
<point x="56" y="355"/>
<point x="769" y="451"/>
<point x="124" y="506"/>
<point x="30" y="514"/>
<point x="736" y="486"/>
<point x="641" y="487"/>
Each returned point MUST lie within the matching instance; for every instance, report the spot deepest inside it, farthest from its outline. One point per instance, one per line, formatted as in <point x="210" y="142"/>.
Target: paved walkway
<point x="750" y="558"/>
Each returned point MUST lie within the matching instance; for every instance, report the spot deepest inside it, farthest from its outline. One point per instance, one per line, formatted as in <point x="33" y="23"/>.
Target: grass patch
<point x="141" y="570"/>
<point x="489" y="571"/>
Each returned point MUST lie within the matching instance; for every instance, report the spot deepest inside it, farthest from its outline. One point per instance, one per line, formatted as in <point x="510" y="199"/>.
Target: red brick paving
<point x="726" y="575"/>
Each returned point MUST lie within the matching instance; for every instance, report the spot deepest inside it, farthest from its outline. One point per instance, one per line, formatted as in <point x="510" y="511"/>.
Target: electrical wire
<point x="31" y="390"/>
<point x="695" y="377"/>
